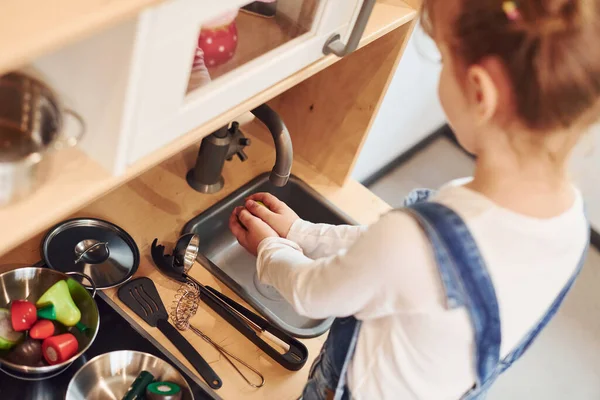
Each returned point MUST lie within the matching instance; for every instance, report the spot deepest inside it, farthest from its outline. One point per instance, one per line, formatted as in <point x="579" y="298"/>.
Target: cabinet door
<point x="196" y="59"/>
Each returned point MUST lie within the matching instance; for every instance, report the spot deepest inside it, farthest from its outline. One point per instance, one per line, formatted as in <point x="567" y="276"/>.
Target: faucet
<point x="225" y="142"/>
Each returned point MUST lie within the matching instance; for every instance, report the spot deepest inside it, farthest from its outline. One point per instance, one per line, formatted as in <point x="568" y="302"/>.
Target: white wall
<point x="410" y="110"/>
<point x="586" y="169"/>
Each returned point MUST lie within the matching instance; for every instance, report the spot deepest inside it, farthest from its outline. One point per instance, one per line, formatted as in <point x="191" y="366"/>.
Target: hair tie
<point x="511" y="10"/>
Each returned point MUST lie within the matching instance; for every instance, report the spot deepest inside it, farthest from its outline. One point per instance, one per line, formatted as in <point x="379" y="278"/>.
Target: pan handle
<point x="89" y="279"/>
<point x="199" y="363"/>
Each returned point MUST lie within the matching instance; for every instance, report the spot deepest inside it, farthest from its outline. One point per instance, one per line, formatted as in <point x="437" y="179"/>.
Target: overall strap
<point x="465" y="279"/>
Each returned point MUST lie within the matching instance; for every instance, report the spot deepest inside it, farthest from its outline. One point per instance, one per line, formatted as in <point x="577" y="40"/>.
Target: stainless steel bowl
<point x="109" y="376"/>
<point x="30" y="283"/>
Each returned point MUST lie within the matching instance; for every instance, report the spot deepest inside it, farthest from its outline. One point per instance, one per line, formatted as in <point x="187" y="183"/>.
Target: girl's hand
<point x="275" y="212"/>
<point x="249" y="230"/>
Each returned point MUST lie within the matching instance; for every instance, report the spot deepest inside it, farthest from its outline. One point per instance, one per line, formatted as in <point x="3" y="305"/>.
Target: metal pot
<point x="109" y="375"/>
<point x="31" y="123"/>
<point x="30" y="283"/>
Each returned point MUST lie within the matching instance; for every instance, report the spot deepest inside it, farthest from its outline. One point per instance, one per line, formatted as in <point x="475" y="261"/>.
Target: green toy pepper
<point x="8" y="336"/>
<point x="65" y="310"/>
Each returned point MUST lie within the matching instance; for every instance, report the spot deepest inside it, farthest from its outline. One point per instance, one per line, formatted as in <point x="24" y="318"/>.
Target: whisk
<point x="185" y="307"/>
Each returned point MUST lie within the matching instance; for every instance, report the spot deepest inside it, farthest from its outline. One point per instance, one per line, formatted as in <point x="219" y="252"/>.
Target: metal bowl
<point x="31" y="283"/>
<point x="109" y="376"/>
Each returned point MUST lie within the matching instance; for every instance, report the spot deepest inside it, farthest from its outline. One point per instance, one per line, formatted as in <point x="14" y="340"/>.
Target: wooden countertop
<point x="158" y="203"/>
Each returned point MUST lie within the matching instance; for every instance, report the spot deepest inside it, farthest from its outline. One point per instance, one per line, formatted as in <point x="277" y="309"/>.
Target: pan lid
<point x="98" y="248"/>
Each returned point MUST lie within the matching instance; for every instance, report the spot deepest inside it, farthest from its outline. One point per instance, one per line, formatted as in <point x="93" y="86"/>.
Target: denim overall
<point x="467" y="284"/>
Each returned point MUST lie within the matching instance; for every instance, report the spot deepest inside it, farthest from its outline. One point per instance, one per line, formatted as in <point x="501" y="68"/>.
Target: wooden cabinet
<point x="239" y="55"/>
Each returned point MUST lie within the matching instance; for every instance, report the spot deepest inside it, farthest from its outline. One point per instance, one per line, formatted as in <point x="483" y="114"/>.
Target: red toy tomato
<point x="60" y="348"/>
<point x="218" y="40"/>
<point x="42" y="329"/>
<point x="23" y="315"/>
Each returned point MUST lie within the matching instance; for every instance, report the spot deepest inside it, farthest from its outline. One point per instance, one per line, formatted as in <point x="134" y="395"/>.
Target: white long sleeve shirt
<point x="410" y="346"/>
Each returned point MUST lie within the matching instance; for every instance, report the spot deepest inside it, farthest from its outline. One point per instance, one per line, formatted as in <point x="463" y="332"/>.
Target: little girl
<point x="435" y="300"/>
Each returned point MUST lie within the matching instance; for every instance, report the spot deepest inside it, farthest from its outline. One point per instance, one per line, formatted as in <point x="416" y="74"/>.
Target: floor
<point x="564" y="363"/>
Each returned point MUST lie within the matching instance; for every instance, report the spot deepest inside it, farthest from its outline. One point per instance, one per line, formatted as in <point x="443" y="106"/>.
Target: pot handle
<point x="90" y="280"/>
<point x="65" y="141"/>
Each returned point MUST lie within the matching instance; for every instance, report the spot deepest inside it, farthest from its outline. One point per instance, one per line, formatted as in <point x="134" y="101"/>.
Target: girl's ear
<point x="483" y="94"/>
<point x="489" y="91"/>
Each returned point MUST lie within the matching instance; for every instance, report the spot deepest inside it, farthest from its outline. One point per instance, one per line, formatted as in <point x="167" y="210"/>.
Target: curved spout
<point x="284" y="156"/>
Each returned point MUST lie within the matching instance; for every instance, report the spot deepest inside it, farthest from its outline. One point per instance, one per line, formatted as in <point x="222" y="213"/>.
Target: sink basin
<point x="237" y="269"/>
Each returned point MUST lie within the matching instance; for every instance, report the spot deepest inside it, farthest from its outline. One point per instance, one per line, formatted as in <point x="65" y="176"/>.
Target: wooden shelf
<point x="72" y="180"/>
<point x="31" y="28"/>
<point x="75" y="180"/>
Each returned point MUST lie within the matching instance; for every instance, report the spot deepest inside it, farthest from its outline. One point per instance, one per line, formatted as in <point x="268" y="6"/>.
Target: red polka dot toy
<point x="218" y="39"/>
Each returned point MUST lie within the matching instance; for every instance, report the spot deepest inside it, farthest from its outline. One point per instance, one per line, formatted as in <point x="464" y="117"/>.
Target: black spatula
<point x="142" y="297"/>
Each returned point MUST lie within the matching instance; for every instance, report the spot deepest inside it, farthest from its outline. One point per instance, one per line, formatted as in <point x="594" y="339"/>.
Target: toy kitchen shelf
<point x="97" y="77"/>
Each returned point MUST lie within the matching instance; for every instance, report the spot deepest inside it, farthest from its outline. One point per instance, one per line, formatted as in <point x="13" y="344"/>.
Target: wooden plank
<point x="31" y="28"/>
<point x="158" y="203"/>
<point x="329" y="126"/>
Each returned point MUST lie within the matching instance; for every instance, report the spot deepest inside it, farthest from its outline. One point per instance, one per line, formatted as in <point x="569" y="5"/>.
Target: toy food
<point x="23" y="315"/>
<point x="42" y="329"/>
<point x="60" y="348"/>
<point x="8" y="336"/>
<point x="138" y="387"/>
<point x="59" y="297"/>
<point x="28" y="352"/>
<point x="47" y="312"/>
<point x="218" y="39"/>
<point x="163" y="390"/>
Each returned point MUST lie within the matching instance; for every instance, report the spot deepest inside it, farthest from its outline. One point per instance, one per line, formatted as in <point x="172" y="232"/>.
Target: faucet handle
<point x="242" y="142"/>
<point x="242" y="155"/>
<point x="238" y="143"/>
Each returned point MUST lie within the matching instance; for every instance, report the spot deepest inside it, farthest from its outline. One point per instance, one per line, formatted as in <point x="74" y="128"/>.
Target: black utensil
<point x="141" y="296"/>
<point x="293" y="359"/>
<point x="234" y="313"/>
<point x="166" y="262"/>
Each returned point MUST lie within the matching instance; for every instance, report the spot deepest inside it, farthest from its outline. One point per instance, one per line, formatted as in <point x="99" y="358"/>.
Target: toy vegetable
<point x="42" y="329"/>
<point x="28" y="352"/>
<point x="65" y="310"/>
<point x="23" y="315"/>
<point x="60" y="348"/>
<point x="47" y="312"/>
<point x="8" y="336"/>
